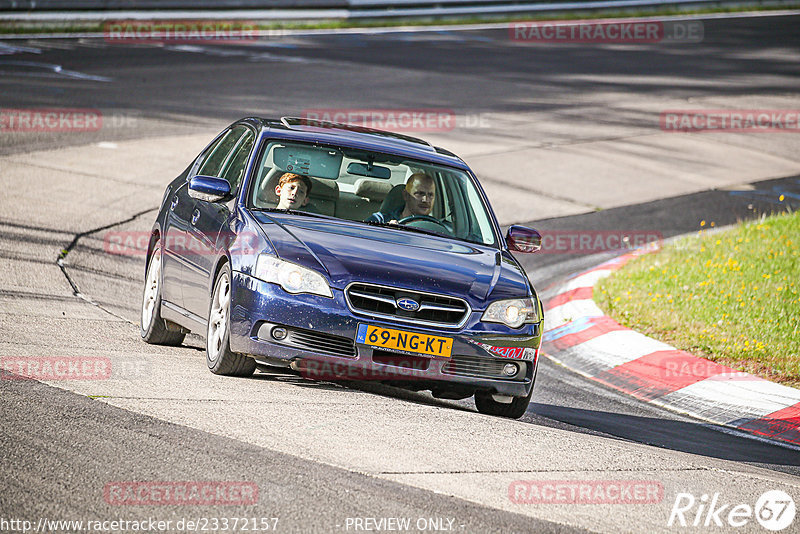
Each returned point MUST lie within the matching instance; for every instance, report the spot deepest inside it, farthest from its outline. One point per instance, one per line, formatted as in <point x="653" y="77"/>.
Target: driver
<point x="419" y="195"/>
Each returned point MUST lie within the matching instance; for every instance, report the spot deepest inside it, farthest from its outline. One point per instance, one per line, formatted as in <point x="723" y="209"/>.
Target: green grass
<point x="732" y="297"/>
<point x="16" y="27"/>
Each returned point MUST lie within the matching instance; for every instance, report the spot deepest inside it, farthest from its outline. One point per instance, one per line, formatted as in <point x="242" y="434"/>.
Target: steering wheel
<point x="424" y="218"/>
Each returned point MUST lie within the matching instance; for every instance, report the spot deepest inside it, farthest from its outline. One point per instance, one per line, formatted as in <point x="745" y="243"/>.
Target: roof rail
<point x="289" y="122"/>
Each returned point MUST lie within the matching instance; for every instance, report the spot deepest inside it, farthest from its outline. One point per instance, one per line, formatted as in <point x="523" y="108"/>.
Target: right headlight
<point x="512" y="312"/>
<point x="291" y="277"/>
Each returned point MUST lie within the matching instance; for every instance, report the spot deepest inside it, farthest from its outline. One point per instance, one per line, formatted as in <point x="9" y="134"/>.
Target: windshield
<point x="372" y="188"/>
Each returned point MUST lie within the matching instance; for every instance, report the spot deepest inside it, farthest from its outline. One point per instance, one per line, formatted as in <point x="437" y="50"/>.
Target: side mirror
<point x="209" y="188"/>
<point x="522" y="239"/>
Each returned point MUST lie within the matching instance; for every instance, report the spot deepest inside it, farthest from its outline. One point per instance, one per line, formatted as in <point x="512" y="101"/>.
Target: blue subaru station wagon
<point x="344" y="253"/>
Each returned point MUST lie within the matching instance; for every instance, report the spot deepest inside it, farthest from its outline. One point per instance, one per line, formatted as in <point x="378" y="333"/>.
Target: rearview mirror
<point x="209" y="188"/>
<point x="523" y="239"/>
<point x="372" y="171"/>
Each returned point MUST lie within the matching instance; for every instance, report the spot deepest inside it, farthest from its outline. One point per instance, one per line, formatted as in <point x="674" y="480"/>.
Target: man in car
<point x="292" y="190"/>
<point x="419" y="194"/>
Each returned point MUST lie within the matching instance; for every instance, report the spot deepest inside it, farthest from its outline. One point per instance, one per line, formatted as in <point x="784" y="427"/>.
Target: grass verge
<point x="732" y="297"/>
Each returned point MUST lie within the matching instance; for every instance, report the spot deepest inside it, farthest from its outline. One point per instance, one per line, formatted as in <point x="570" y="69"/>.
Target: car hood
<point x="354" y="252"/>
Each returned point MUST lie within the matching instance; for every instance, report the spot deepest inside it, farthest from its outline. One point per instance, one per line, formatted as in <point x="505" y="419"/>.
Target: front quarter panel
<point x="245" y="241"/>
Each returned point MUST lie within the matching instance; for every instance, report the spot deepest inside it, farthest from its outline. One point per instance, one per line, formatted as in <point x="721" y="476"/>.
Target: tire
<point x="153" y="328"/>
<point x="514" y="410"/>
<point x="219" y="357"/>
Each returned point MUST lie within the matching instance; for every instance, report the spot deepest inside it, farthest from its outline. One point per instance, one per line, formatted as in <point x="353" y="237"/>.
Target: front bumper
<point x="320" y="336"/>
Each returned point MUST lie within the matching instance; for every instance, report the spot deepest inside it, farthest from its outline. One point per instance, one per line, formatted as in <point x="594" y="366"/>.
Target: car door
<point x="207" y="218"/>
<point x="176" y="232"/>
<point x="174" y="246"/>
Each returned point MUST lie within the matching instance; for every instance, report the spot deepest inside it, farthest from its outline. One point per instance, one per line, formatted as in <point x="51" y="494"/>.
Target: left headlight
<point x="512" y="312"/>
<point x="291" y="277"/>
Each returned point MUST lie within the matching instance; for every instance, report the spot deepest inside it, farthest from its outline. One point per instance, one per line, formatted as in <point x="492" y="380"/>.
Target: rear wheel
<point x="219" y="357"/>
<point x="514" y="409"/>
<point x="153" y="328"/>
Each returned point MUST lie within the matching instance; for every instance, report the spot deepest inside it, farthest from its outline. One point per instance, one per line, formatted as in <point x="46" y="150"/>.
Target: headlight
<point x="512" y="312"/>
<point x="291" y="277"/>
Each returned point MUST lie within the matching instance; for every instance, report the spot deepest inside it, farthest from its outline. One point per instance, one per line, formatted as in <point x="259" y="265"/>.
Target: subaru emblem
<point x="407" y="304"/>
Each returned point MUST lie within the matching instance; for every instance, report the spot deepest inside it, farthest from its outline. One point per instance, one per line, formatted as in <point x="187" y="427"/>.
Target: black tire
<point x="219" y="357"/>
<point x="514" y="410"/>
<point x="155" y="330"/>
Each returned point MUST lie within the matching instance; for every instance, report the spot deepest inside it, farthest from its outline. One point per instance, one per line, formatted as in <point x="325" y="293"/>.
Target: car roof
<point x="350" y="136"/>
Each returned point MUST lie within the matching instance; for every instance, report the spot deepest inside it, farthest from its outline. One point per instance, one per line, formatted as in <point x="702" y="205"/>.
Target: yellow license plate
<point x="402" y="341"/>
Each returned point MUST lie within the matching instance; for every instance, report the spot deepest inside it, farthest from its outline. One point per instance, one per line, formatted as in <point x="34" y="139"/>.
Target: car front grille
<point x="381" y="301"/>
<point x="478" y="366"/>
<point x="321" y="342"/>
<point x="308" y="339"/>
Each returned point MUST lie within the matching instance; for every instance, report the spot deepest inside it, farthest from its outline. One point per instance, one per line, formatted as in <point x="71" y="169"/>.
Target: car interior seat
<point x="323" y="197"/>
<point x="265" y="195"/>
<point x="365" y="200"/>
<point x="394" y="200"/>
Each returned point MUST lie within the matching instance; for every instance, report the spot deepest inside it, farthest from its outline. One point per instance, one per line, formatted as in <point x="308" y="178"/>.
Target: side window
<point x="218" y="153"/>
<point x="234" y="168"/>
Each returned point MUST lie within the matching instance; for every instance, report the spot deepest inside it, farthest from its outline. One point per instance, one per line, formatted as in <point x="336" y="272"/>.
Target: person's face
<point x="292" y="195"/>
<point x="419" y="200"/>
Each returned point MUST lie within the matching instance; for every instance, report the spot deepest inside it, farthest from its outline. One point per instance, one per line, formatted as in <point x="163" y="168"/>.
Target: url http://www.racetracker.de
<point x="195" y="524"/>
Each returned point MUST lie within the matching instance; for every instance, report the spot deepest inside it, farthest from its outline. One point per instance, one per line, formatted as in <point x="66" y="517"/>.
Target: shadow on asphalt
<point x="671" y="434"/>
<point x="364" y="386"/>
<point x="654" y="431"/>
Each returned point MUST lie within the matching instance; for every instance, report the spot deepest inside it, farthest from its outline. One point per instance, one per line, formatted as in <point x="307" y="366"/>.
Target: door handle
<point x="195" y="215"/>
<point x="174" y="203"/>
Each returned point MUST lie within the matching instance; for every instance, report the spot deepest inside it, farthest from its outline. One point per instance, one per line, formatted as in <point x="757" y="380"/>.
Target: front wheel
<point x="514" y="409"/>
<point x="153" y="328"/>
<point x="219" y="357"/>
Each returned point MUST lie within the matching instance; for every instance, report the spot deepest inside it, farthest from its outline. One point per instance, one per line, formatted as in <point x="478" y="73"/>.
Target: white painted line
<point x="7" y="50"/>
<point x="25" y="68"/>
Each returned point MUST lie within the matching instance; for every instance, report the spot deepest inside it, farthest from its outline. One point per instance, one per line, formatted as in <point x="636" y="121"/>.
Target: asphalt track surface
<point x="61" y="447"/>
